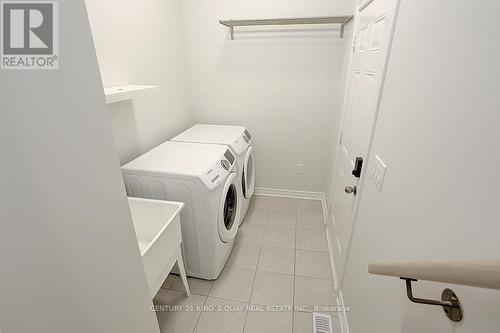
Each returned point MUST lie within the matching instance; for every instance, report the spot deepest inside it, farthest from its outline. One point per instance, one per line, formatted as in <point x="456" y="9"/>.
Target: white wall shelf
<point x="342" y="20"/>
<point x="125" y="92"/>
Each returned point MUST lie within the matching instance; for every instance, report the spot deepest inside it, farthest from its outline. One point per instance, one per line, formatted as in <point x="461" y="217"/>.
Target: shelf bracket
<point x="342" y="26"/>
<point x="449" y="301"/>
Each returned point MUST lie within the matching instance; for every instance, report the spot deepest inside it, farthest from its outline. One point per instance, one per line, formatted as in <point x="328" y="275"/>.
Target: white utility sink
<point x="158" y="230"/>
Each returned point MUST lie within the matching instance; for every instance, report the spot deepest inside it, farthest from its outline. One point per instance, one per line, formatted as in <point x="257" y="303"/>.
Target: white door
<point x="372" y="39"/>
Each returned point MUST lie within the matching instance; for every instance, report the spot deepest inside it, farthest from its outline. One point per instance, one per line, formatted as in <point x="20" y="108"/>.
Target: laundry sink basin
<point x="158" y="230"/>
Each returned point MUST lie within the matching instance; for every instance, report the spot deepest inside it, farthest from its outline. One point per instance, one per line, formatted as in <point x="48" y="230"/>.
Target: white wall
<point x="283" y="85"/>
<point x="438" y="135"/>
<point x="142" y="43"/>
<point x="68" y="253"/>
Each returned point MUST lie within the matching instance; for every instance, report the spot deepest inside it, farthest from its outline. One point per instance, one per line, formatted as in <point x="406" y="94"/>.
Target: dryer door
<point x="248" y="177"/>
<point x="229" y="209"/>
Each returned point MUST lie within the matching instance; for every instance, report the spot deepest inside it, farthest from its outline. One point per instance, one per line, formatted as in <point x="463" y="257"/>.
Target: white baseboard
<point x="332" y="263"/>
<point x="342" y="314"/>
<point x="274" y="192"/>
<point x="340" y="299"/>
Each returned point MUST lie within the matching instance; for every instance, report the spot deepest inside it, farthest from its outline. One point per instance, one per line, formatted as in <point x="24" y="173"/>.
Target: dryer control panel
<point x="218" y="173"/>
<point x="241" y="144"/>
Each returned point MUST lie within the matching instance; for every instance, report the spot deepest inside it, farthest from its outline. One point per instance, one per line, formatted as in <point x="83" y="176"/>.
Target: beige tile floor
<point x="279" y="261"/>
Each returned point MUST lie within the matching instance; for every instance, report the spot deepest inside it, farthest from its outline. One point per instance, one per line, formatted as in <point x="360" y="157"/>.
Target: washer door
<point x="248" y="177"/>
<point x="229" y="209"/>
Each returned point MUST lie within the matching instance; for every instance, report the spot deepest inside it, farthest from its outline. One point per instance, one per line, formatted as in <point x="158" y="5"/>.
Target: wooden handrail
<point x="482" y="274"/>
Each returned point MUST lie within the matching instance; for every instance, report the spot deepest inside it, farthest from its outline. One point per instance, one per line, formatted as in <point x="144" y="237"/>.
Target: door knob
<point x="351" y="190"/>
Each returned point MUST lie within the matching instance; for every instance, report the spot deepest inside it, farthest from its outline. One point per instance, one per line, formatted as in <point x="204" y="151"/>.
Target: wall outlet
<point x="378" y="172"/>
<point x="299" y="169"/>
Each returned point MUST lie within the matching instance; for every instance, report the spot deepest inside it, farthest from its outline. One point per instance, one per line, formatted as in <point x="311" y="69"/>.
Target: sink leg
<point x="180" y="265"/>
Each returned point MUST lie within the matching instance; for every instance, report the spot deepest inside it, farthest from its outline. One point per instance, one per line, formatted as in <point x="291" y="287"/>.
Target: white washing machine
<point x="203" y="177"/>
<point x="239" y="140"/>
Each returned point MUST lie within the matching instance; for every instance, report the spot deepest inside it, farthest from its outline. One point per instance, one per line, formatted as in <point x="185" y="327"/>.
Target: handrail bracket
<point x="449" y="301"/>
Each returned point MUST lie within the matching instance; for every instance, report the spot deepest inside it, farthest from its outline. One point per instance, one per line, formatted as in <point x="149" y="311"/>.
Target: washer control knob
<point x="225" y="164"/>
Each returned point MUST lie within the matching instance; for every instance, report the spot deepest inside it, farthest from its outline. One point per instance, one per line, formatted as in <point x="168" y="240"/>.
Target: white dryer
<point x="239" y="140"/>
<point x="203" y="177"/>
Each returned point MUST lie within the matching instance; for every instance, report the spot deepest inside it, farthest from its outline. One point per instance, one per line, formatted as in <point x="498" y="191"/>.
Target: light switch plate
<point x="378" y="172"/>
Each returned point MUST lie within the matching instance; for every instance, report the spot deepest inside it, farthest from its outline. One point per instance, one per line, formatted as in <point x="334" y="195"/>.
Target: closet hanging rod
<point x="342" y="20"/>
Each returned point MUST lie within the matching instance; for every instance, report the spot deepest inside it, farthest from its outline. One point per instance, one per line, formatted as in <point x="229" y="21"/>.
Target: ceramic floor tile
<point x="312" y="240"/>
<point x="272" y="289"/>
<point x="179" y="313"/>
<point x="310" y="215"/>
<point x="168" y="281"/>
<point x="234" y="284"/>
<point x="244" y="255"/>
<point x="277" y="260"/>
<point x="305" y="205"/>
<point x="274" y="203"/>
<point x="221" y="316"/>
<point x="197" y="286"/>
<point x="265" y="322"/>
<point x="250" y="233"/>
<point x="313" y="264"/>
<point x="159" y="296"/>
<point x="314" y="294"/>
<point x="302" y="323"/>
<point x="258" y="203"/>
<point x="256" y="217"/>
<point x="280" y="219"/>
<point x="281" y="204"/>
<point x="312" y="221"/>
<point x="279" y="237"/>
